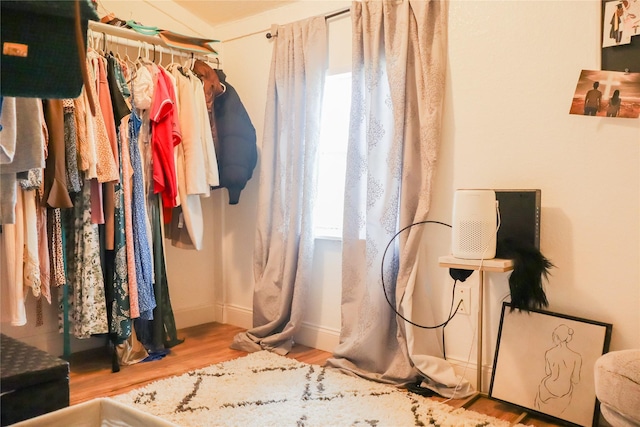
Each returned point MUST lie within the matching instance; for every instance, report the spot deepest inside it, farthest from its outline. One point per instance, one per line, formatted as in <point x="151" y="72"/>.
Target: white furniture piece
<point x="492" y="265"/>
<point x="102" y="412"/>
<point x="617" y="383"/>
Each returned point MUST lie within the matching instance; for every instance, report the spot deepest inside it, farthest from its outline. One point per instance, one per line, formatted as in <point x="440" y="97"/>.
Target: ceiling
<point x="223" y="11"/>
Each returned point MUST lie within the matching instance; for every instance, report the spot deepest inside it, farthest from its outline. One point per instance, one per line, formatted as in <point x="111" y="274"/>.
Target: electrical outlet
<point x="463" y="293"/>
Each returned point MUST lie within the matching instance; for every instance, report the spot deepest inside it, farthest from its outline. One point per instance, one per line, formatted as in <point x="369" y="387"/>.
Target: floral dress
<point x="120" y="309"/>
<point x="144" y="263"/>
<point x="86" y="296"/>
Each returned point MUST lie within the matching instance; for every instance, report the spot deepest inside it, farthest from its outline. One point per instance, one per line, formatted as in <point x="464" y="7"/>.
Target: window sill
<point x="328" y="237"/>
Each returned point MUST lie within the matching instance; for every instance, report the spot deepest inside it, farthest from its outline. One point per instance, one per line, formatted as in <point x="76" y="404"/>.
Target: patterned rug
<point x="264" y="389"/>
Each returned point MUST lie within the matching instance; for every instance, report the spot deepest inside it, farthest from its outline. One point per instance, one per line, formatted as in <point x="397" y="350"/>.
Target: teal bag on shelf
<point x="42" y="51"/>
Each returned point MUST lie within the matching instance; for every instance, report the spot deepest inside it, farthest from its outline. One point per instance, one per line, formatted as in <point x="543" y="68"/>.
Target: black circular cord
<point x="384" y="288"/>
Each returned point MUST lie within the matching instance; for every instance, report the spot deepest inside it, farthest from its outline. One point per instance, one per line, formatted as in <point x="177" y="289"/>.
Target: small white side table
<point x="492" y="265"/>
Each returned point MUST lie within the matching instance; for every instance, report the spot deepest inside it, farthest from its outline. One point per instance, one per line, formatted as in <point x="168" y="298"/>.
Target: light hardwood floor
<point x="91" y="375"/>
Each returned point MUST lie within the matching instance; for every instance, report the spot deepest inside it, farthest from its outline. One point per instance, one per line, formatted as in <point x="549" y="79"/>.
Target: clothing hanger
<point x="190" y="62"/>
<point x="119" y="56"/>
<point x="103" y="48"/>
<point x="90" y="40"/>
<point x="132" y="65"/>
<point x="144" y="60"/>
<point x="130" y="61"/>
<point x="112" y="46"/>
<point x="173" y="64"/>
<point x="209" y="61"/>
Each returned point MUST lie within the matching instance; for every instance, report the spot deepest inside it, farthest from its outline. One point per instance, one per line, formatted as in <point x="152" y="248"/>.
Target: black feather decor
<point x="530" y="267"/>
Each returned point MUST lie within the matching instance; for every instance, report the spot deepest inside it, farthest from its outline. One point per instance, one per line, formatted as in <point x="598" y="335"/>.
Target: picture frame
<point x="621" y="54"/>
<point x="544" y="364"/>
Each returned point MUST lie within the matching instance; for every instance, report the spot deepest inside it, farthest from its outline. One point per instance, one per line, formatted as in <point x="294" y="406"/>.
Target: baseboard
<point x="194" y="316"/>
<point x="235" y="315"/>
<point x="319" y="337"/>
<point x="53" y="343"/>
<point x="310" y="335"/>
<point x="469" y="371"/>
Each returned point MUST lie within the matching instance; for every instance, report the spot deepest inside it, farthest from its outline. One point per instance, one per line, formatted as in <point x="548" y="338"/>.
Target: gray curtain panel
<point x="399" y="69"/>
<point x="283" y="251"/>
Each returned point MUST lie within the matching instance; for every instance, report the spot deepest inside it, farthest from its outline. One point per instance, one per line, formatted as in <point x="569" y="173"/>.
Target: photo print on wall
<point x="607" y="94"/>
<point x="620" y="22"/>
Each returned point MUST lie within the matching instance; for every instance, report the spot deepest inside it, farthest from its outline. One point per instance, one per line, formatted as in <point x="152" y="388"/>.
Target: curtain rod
<point x="328" y="16"/>
<point x="268" y="35"/>
<point x="338" y="13"/>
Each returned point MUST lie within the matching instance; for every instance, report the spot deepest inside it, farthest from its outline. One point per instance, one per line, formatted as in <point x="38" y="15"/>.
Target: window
<point x="332" y="155"/>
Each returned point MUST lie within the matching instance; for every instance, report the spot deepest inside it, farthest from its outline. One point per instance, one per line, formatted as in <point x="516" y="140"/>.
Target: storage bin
<point x="32" y="381"/>
<point x="102" y="412"/>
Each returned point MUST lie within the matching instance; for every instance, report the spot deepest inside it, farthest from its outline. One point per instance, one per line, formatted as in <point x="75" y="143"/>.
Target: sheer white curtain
<point x="283" y="251"/>
<point x="399" y="68"/>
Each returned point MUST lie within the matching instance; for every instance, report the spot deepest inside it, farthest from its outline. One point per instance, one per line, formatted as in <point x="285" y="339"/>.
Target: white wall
<point x="164" y="14"/>
<point x="513" y="68"/>
<point x="513" y="71"/>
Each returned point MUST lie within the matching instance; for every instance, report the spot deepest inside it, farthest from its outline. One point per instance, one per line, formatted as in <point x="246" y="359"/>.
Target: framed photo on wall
<point x="544" y="364"/>
<point x="620" y="35"/>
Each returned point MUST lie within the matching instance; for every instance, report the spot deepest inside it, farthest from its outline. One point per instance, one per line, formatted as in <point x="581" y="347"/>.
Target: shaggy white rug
<point x="264" y="389"/>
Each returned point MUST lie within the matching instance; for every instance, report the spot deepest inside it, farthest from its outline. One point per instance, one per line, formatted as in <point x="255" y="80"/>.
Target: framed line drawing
<point x="544" y="364"/>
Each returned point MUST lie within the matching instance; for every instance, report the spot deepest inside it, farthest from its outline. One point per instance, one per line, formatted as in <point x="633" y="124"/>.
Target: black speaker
<point x="519" y="218"/>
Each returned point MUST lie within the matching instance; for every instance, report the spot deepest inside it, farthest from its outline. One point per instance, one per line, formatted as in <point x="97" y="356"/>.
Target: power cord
<point x="456" y="274"/>
<point x="453" y="296"/>
<point x="384" y="288"/>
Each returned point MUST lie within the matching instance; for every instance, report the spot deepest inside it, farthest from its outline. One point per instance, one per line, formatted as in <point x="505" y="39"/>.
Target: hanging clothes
<point x="86" y="291"/>
<point x="43" y="249"/>
<point x="212" y="88"/>
<point x="70" y="143"/>
<point x="31" y="256"/>
<point x="238" y="153"/>
<point x="120" y="317"/>
<point x="11" y="267"/>
<point x="118" y="300"/>
<point x="109" y="184"/>
<point x="202" y="118"/>
<point x="161" y="333"/>
<point x="196" y="164"/>
<point x="165" y="135"/>
<point x="23" y="157"/>
<point x="23" y="148"/>
<point x="55" y="173"/>
<point x="127" y="176"/>
<point x="56" y="249"/>
<point x="142" y="239"/>
<point x="106" y="169"/>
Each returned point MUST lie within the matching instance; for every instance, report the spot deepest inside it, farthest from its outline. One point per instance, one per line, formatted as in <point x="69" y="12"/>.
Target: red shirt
<point x="165" y="135"/>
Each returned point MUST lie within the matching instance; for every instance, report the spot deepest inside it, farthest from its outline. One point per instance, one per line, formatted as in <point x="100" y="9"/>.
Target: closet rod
<point x="98" y="39"/>
<point x="125" y="33"/>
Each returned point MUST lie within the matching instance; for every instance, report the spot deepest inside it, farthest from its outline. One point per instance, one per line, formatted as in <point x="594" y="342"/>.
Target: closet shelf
<point x="129" y="34"/>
